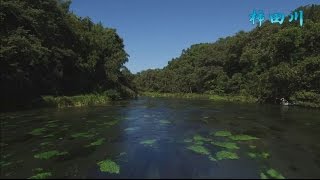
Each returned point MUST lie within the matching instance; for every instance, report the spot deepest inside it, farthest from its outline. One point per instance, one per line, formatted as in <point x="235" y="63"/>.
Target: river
<point x="162" y="138"/>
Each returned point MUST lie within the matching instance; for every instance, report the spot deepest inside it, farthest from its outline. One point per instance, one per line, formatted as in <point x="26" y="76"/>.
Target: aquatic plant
<point x="45" y="143"/>
<point x="199" y="149"/>
<point x="187" y="140"/>
<point x="197" y="137"/>
<point x="37" y="131"/>
<point x="274" y="174"/>
<point x="97" y="142"/>
<point x="263" y="176"/>
<point x="109" y="166"/>
<point x="48" y="135"/>
<point x="37" y="169"/>
<point x="131" y="129"/>
<point x="51" y="125"/>
<point x="49" y="154"/>
<point x="228" y="145"/>
<point x="226" y="155"/>
<point x="164" y="122"/>
<point x="111" y="123"/>
<point x="242" y="137"/>
<point x="222" y="133"/>
<point x="83" y="134"/>
<point x="252" y="146"/>
<point x="42" y="175"/>
<point x="148" y="142"/>
<point x="212" y="158"/>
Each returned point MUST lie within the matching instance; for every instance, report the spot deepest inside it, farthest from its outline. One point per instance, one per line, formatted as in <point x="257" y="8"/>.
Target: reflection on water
<point x="162" y="138"/>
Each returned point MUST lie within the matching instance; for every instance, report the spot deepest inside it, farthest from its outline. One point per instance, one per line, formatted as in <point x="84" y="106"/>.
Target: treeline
<point x="269" y="62"/>
<point x="48" y="50"/>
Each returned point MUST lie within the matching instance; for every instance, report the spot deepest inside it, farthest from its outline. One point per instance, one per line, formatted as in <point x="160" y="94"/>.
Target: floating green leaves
<point x="274" y="174"/>
<point x="83" y="135"/>
<point x="164" y="122"/>
<point x="199" y="149"/>
<point x="226" y="155"/>
<point x="37" y="131"/>
<point x="97" y="142"/>
<point x="228" y="145"/>
<point x="109" y="167"/>
<point x="197" y="137"/>
<point x="42" y="175"/>
<point x="242" y="137"/>
<point x="131" y="129"/>
<point x="45" y="143"/>
<point x="49" y="154"/>
<point x="222" y="133"/>
<point x="149" y="142"/>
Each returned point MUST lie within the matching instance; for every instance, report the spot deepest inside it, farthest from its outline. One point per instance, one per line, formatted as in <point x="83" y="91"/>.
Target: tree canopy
<point x="48" y="50"/>
<point x="269" y="62"/>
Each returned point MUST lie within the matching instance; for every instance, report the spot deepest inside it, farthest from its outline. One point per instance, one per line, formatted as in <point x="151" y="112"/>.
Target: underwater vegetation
<point x="42" y="175"/>
<point x="271" y="174"/>
<point x="37" y="131"/>
<point x="164" y="122"/>
<point x="83" y="135"/>
<point x="226" y="155"/>
<point x="109" y="166"/>
<point x="97" y="142"/>
<point x="228" y="145"/>
<point x="199" y="149"/>
<point x="149" y="142"/>
<point x="222" y="133"/>
<point x="49" y="154"/>
<point x="228" y="149"/>
<point x="242" y="137"/>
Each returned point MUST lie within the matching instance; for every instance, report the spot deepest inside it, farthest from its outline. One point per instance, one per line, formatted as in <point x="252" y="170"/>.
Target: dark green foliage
<point x="47" y="50"/>
<point x="269" y="62"/>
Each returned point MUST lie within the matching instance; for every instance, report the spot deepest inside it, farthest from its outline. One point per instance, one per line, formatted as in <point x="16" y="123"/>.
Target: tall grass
<point x="231" y="98"/>
<point x="76" y="101"/>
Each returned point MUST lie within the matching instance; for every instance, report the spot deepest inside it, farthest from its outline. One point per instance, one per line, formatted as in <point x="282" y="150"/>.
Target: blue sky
<point x="155" y="31"/>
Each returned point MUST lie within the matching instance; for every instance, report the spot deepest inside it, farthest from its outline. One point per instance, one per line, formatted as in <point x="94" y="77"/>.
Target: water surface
<point x="154" y="137"/>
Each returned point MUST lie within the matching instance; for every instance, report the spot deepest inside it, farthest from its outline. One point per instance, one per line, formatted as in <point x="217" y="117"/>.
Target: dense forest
<point x="48" y="50"/>
<point x="269" y="62"/>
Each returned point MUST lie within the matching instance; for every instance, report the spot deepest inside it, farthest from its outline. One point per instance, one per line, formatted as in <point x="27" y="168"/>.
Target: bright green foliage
<point x="82" y="135"/>
<point x="263" y="176"/>
<point x="226" y="155"/>
<point x="37" y="131"/>
<point x="49" y="154"/>
<point x="242" y="137"/>
<point x="199" y="149"/>
<point x="264" y="64"/>
<point x="222" y="133"/>
<point x="274" y="174"/>
<point x="109" y="167"/>
<point x="200" y="138"/>
<point x="228" y="145"/>
<point x="48" y="50"/>
<point x="97" y="142"/>
<point x="42" y="175"/>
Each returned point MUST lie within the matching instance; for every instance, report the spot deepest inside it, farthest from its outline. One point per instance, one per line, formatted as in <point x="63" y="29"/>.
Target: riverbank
<point x="298" y="100"/>
<point x="229" y="98"/>
<point x="75" y="101"/>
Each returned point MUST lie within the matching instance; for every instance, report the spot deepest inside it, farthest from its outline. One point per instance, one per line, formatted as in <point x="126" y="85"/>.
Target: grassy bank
<point x="75" y="101"/>
<point x="234" y="98"/>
